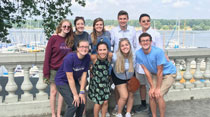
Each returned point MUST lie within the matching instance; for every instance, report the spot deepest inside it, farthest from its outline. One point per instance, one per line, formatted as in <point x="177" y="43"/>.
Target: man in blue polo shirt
<point x="159" y="71"/>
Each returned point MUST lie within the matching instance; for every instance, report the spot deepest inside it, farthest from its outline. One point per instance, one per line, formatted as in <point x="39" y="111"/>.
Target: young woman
<point x="79" y="33"/>
<point x="99" y="87"/>
<point x="71" y="79"/>
<point x="123" y="70"/>
<point x="99" y="34"/>
<point x="59" y="45"/>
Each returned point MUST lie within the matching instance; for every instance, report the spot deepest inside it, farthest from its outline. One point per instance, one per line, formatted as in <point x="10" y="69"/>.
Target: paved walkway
<point x="188" y="108"/>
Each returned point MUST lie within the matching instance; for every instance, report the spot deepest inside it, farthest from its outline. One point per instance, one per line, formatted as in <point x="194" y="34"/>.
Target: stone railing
<point x="192" y="81"/>
<point x="26" y="104"/>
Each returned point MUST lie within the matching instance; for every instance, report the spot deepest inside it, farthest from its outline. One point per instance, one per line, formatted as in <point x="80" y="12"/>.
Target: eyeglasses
<point x="143" y="41"/>
<point x="65" y="26"/>
<point x="86" y="47"/>
<point x="144" y="21"/>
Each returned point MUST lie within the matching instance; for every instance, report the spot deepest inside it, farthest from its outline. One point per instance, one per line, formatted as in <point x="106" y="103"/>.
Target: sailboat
<point x="174" y="43"/>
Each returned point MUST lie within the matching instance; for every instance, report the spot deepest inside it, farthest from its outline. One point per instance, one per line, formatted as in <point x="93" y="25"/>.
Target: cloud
<point x="166" y="1"/>
<point x="180" y="3"/>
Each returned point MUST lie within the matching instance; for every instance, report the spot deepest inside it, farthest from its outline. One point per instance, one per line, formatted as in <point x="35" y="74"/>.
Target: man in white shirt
<point x="145" y="23"/>
<point x="123" y="31"/>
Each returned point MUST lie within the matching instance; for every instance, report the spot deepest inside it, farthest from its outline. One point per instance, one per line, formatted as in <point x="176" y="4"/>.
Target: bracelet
<point x="82" y="92"/>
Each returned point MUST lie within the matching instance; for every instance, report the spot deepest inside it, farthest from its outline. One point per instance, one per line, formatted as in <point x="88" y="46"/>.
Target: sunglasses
<point x="144" y="21"/>
<point x="68" y="27"/>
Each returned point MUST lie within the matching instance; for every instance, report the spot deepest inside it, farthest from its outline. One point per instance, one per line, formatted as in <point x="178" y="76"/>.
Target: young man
<point x="159" y="71"/>
<point x="123" y="31"/>
<point x="119" y="32"/>
<point x="144" y="21"/>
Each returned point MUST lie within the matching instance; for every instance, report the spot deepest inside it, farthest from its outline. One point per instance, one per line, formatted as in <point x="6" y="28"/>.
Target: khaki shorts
<point x="167" y="82"/>
<point x="52" y="76"/>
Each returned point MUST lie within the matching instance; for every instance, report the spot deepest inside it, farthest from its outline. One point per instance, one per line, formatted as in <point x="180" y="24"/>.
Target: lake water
<point x="188" y="38"/>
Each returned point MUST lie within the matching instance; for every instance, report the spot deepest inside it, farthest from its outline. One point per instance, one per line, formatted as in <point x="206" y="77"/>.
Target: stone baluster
<point x="198" y="75"/>
<point x="207" y="72"/>
<point x="26" y="85"/>
<point x="11" y="86"/>
<point x="177" y="84"/>
<point x="0" y="96"/>
<point x="188" y="75"/>
<point x="41" y="86"/>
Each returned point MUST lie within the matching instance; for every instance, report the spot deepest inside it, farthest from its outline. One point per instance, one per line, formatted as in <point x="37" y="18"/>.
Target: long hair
<point x="120" y="62"/>
<point x="69" y="36"/>
<point x="94" y="33"/>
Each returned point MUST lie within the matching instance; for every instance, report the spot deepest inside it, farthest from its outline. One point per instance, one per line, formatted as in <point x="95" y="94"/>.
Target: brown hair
<point x="94" y="34"/>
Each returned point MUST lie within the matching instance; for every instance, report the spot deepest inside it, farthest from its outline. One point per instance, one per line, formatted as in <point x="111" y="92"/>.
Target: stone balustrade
<point x="192" y="81"/>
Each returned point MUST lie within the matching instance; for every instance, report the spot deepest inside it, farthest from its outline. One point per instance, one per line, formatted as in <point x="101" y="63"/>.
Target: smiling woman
<point x="71" y="77"/>
<point x="100" y="34"/>
<point x="123" y="70"/>
<point x="58" y="46"/>
<point x="79" y="33"/>
<point x="99" y="88"/>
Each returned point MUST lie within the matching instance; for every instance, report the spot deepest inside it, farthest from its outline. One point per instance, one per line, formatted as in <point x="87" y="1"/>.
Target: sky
<point x="157" y="9"/>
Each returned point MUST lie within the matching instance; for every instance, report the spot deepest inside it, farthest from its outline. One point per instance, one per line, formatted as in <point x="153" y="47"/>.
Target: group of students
<point x="69" y="55"/>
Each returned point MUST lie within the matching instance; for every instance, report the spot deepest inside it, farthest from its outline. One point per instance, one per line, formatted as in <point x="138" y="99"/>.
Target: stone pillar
<point x="177" y="84"/>
<point x="0" y="96"/>
<point x="41" y="86"/>
<point x="198" y="75"/>
<point x="207" y="72"/>
<point x="26" y="85"/>
<point x="11" y="87"/>
<point x="187" y="75"/>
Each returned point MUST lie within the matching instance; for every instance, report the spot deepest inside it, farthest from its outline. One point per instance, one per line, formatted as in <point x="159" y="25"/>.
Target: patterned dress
<point x="99" y="88"/>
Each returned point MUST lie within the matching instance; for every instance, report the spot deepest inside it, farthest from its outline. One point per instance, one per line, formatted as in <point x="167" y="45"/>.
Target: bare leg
<point x="123" y="93"/>
<point x="130" y="101"/>
<point x="116" y="95"/>
<point x="97" y="108"/>
<point x="143" y="92"/>
<point x="53" y="92"/>
<point x="153" y="106"/>
<point x="104" y="108"/>
<point x="162" y="106"/>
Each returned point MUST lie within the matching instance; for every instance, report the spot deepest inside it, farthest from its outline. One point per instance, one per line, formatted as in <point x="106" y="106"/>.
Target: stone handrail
<point x="192" y="83"/>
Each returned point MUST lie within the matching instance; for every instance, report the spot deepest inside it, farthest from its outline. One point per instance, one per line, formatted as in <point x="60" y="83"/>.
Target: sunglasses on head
<point x="65" y="26"/>
<point x="144" y="21"/>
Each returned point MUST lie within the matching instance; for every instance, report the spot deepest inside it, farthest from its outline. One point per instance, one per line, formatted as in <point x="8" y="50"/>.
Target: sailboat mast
<point x="178" y="32"/>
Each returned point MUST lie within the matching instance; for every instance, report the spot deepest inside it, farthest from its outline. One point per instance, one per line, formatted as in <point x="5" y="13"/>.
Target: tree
<point x="16" y="12"/>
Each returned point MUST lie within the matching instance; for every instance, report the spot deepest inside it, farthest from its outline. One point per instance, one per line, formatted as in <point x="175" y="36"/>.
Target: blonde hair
<point x="69" y="36"/>
<point x="120" y="62"/>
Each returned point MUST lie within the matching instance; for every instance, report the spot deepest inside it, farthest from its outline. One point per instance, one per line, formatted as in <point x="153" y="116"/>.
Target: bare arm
<point x="149" y="78"/>
<point x="159" y="80"/>
<point x="82" y="86"/>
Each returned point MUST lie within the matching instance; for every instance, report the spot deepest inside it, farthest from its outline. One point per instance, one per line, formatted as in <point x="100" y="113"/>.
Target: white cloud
<point x="108" y="9"/>
<point x="180" y="3"/>
<point x="166" y="1"/>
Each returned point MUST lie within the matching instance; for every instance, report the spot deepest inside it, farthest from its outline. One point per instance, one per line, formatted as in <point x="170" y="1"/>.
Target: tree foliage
<point x="16" y="12"/>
